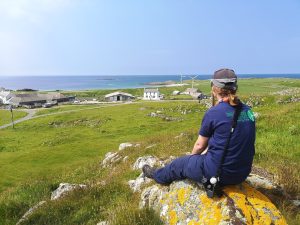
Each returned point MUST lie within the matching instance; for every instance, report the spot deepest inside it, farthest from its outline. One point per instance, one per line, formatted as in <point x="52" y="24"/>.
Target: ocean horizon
<point x="88" y="82"/>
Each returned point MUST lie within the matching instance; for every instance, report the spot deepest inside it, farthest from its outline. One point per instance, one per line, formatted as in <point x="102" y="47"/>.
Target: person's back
<point x="237" y="163"/>
<point x="206" y="163"/>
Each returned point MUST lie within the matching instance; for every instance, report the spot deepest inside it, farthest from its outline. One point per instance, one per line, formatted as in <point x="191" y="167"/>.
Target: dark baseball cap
<point x="225" y="78"/>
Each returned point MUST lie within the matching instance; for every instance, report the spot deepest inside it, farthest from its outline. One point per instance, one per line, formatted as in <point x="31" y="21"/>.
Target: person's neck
<point x="219" y="98"/>
<point x="222" y="99"/>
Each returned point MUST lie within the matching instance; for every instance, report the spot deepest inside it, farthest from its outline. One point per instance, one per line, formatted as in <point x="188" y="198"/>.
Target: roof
<point x="151" y="90"/>
<point x="53" y="95"/>
<point x="35" y="97"/>
<point x="4" y="94"/>
<point x="118" y="93"/>
<point x="26" y="99"/>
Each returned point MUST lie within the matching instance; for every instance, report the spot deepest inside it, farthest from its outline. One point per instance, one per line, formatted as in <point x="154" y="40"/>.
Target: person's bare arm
<point x="200" y="145"/>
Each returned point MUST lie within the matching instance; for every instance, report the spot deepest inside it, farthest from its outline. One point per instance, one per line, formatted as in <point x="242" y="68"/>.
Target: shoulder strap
<point x="236" y="114"/>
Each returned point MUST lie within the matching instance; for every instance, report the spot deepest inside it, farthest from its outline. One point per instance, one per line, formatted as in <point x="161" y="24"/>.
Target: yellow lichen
<point x="255" y="208"/>
<point x="173" y="217"/>
<point x="182" y="195"/>
<point x="193" y="222"/>
<point x="210" y="212"/>
<point x="254" y="205"/>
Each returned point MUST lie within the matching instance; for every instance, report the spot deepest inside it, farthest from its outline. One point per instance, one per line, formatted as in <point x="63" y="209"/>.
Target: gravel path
<point x="31" y="114"/>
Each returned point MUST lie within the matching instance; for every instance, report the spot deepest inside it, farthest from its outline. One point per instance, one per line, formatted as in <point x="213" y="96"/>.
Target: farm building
<point x="151" y="94"/>
<point x="32" y="100"/>
<point x="118" y="96"/>
<point x="176" y="93"/>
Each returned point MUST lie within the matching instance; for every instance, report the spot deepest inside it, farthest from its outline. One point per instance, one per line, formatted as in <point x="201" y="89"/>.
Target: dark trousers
<point x="190" y="166"/>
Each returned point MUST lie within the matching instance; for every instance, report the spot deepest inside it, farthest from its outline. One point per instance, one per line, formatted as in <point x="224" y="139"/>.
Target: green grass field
<point x="63" y="108"/>
<point x="43" y="152"/>
<point x="5" y="116"/>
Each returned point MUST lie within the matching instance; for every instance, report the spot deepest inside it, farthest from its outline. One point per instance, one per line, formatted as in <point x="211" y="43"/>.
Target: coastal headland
<point x="67" y="143"/>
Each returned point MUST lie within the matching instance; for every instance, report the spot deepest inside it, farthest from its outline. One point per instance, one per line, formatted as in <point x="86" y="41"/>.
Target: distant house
<point x="175" y="92"/>
<point x="31" y="100"/>
<point x="27" y="100"/>
<point x="151" y="94"/>
<point x="118" y="96"/>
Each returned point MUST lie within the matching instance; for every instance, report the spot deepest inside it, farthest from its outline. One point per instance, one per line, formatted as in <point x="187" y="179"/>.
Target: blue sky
<point x="110" y="37"/>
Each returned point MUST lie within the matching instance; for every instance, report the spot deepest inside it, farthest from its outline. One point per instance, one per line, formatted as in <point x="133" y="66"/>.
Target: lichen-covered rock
<point x="186" y="203"/>
<point x="136" y="184"/>
<point x="260" y="182"/>
<point x="64" y="188"/>
<point x="141" y="161"/>
<point x="122" y="146"/>
<point x="110" y="158"/>
<point x="152" y="196"/>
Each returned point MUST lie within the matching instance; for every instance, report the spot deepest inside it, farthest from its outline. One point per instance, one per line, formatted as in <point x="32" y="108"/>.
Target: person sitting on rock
<point x="215" y="129"/>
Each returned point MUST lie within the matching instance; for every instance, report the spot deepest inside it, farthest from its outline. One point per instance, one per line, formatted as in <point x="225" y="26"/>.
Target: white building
<point x="176" y="93"/>
<point x="118" y="96"/>
<point x="5" y="96"/>
<point x="151" y="94"/>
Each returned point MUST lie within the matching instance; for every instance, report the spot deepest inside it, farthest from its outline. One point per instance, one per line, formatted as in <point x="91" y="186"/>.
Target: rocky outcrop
<point x="137" y="184"/>
<point x="110" y="159"/>
<point x="141" y="161"/>
<point x="163" y="116"/>
<point x="260" y="182"/>
<point x="61" y="191"/>
<point x="185" y="202"/>
<point x="123" y="146"/>
<point x="30" y="211"/>
<point x="151" y="161"/>
<point x="65" y="188"/>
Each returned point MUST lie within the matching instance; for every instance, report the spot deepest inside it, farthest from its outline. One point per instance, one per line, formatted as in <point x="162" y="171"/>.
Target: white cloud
<point x="30" y="10"/>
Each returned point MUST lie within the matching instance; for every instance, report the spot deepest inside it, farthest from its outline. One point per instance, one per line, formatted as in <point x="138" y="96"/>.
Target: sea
<point x="50" y="83"/>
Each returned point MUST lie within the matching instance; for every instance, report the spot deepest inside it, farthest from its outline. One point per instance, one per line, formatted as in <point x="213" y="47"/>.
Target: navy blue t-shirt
<point x="216" y="125"/>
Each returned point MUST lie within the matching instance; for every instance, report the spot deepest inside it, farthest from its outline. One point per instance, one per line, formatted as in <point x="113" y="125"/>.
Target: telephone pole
<point x="12" y="116"/>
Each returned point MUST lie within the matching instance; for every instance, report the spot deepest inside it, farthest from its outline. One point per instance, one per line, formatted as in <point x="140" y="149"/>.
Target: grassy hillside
<point x="41" y="153"/>
<point x="5" y="116"/>
<point x="63" y="142"/>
